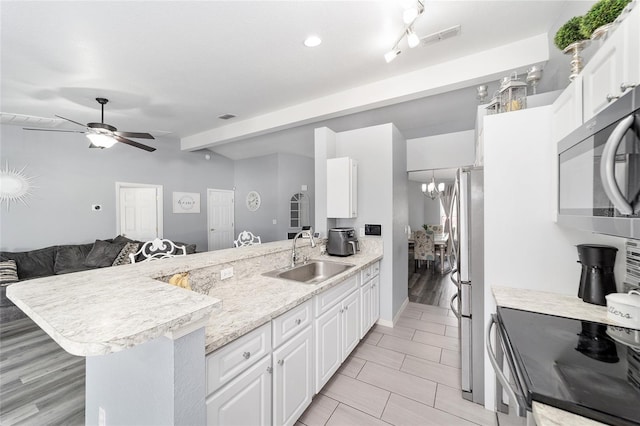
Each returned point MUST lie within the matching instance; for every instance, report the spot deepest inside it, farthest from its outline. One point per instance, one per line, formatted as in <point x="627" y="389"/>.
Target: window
<point x="299" y="211"/>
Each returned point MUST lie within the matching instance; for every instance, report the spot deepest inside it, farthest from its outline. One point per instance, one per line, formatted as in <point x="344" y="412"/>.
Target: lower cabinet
<point x="293" y="378"/>
<point x="246" y="400"/>
<point x="337" y="334"/>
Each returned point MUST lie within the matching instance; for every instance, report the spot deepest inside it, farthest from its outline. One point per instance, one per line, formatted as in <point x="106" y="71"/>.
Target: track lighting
<point x="412" y="38"/>
<point x="409" y="17"/>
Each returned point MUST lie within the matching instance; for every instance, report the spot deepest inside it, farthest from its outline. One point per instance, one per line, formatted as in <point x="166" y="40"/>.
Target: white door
<point x="220" y="219"/>
<point x="292" y="378"/>
<point x="140" y="212"/>
<point x="246" y="400"/>
<point x="328" y="349"/>
<point x="350" y="323"/>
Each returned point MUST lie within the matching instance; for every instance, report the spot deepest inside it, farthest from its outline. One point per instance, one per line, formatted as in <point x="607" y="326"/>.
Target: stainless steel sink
<point x="312" y="272"/>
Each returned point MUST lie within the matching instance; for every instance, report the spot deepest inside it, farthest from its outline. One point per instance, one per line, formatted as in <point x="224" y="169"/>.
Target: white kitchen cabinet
<point x="616" y="62"/>
<point x="293" y="378"/>
<point x="369" y="298"/>
<point x="337" y="334"/>
<point x="342" y="187"/>
<point x="246" y="400"/>
<point x="567" y="110"/>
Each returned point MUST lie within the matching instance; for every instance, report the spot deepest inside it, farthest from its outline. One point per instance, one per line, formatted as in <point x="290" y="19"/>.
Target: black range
<point x="584" y="367"/>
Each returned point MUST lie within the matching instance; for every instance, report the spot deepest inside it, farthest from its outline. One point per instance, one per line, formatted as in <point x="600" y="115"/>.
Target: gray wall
<point x="382" y="199"/>
<point x="276" y="177"/>
<point x="69" y="177"/>
<point x="422" y="210"/>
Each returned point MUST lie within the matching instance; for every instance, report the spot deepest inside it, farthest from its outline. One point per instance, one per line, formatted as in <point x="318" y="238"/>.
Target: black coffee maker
<point x="597" y="279"/>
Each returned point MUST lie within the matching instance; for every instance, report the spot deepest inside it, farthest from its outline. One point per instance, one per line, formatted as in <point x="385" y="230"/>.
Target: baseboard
<point x="387" y="323"/>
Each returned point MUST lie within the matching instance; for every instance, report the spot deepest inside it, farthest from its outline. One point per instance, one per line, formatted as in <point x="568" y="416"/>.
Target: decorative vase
<point x="576" y="60"/>
<point x="600" y="33"/>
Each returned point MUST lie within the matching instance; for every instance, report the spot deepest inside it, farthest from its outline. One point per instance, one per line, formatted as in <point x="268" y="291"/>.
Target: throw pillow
<point x="103" y="254"/>
<point x="32" y="264"/>
<point x="123" y="257"/>
<point x="8" y="272"/>
<point x="122" y="239"/>
<point x="71" y="258"/>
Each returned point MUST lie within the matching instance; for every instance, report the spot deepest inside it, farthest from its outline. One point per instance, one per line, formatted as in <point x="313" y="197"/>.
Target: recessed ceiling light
<point x="312" y="41"/>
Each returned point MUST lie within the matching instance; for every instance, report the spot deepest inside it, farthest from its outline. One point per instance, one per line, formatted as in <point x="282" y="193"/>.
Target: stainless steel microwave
<point x="599" y="171"/>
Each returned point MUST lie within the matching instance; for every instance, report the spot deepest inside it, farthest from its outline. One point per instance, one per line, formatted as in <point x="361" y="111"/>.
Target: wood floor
<point x="428" y="286"/>
<point x="40" y="383"/>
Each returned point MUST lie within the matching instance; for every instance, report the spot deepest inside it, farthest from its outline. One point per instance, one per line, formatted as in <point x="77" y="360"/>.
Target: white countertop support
<point x="160" y="382"/>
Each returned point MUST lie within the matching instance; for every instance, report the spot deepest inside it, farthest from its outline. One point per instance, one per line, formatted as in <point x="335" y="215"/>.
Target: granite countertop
<point x="106" y="310"/>
<point x="258" y="300"/>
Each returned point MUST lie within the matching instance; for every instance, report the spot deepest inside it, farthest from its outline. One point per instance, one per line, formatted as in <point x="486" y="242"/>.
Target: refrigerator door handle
<point x="455" y="312"/>
<point x="454" y="247"/>
<point x="453" y="276"/>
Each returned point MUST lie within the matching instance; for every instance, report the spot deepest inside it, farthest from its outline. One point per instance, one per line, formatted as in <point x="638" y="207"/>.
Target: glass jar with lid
<point x="494" y="104"/>
<point x="513" y="94"/>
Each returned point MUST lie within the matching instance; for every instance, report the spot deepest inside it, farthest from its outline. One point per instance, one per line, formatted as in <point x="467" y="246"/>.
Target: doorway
<point x="220" y="219"/>
<point x="139" y="211"/>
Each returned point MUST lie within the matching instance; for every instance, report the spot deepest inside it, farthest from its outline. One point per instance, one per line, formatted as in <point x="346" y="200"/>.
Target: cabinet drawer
<point x="230" y="360"/>
<point x="375" y="269"/>
<point x="365" y="274"/>
<point x="288" y="324"/>
<point x="326" y="300"/>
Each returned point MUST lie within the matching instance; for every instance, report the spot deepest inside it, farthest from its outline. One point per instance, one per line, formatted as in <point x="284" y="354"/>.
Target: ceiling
<point x="172" y="67"/>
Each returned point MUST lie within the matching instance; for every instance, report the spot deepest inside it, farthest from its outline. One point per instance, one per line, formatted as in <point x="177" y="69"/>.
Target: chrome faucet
<point x="303" y="234"/>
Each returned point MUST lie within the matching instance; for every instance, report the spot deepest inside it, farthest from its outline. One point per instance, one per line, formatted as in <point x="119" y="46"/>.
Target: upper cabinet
<point x="342" y="187"/>
<point x="613" y="69"/>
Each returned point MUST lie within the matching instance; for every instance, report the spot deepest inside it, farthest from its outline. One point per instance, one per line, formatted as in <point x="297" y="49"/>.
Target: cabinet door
<point x="567" y="110"/>
<point x="328" y="345"/>
<point x="293" y="378"/>
<point x="365" y="303"/>
<point x="228" y="406"/>
<point x="350" y="323"/>
<point x="604" y="73"/>
<point x="375" y="300"/>
<point x="342" y="187"/>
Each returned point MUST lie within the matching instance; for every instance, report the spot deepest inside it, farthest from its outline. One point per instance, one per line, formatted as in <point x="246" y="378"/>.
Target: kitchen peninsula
<point x="146" y="340"/>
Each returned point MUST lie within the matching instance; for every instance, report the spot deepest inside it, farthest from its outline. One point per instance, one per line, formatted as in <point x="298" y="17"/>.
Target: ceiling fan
<point x="104" y="135"/>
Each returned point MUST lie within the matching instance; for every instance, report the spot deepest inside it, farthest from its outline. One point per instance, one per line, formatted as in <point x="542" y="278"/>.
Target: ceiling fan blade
<point x="132" y="143"/>
<point x="134" y="135"/>
<point x="53" y="130"/>
<point x="68" y="119"/>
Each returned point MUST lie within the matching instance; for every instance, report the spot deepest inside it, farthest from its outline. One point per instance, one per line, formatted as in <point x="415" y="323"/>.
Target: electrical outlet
<point x="362" y="232"/>
<point x="226" y="273"/>
<point x="102" y="417"/>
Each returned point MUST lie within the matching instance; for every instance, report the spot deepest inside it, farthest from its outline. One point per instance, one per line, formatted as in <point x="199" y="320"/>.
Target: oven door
<point x="599" y="174"/>
<point x="511" y="404"/>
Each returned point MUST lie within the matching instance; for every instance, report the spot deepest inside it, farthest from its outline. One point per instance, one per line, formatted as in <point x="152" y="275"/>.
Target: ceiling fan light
<point x="412" y="38"/>
<point x="391" y="55"/>
<point x="101" y="140"/>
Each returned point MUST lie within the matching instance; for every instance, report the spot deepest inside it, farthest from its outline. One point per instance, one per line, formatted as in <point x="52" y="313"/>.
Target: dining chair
<point x="157" y="249"/>
<point x="436" y="229"/>
<point x="246" y="238"/>
<point x="424" y="247"/>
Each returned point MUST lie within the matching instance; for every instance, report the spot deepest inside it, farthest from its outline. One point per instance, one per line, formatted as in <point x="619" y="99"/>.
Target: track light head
<point x="412" y="38"/>
<point x="391" y="55"/>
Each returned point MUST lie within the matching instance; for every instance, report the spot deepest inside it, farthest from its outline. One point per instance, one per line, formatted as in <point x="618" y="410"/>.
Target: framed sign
<point x="186" y="202"/>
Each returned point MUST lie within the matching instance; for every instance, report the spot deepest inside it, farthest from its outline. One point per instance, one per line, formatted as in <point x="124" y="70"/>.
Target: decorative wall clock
<point x="253" y="201"/>
<point x="14" y="185"/>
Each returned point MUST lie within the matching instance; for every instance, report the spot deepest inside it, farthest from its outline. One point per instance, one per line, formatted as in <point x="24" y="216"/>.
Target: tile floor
<point x="406" y="375"/>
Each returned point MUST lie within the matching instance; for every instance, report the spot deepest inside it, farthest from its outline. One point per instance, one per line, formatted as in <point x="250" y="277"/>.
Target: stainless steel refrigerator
<point x="466" y="227"/>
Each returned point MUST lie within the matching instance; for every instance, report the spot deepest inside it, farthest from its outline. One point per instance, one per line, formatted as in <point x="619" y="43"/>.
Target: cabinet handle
<point x="281" y="362"/>
<point x="269" y="370"/>
<point x="346" y="308"/>
<point x="341" y="310"/>
<point x="246" y="355"/>
<point x="611" y="97"/>
<point x="625" y="86"/>
<point x="298" y="321"/>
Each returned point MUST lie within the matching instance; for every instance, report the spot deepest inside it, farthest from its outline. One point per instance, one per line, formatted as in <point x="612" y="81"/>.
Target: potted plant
<point x="597" y="21"/>
<point x="570" y="40"/>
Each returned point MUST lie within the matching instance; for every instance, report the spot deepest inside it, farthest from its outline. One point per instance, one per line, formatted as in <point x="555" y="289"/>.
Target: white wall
<point x="444" y="151"/>
<point x="382" y="199"/>
<point x="69" y="177"/>
<point x="524" y="248"/>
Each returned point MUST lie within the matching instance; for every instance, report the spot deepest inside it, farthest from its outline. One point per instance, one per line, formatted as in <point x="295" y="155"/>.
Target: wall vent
<point x="441" y="35"/>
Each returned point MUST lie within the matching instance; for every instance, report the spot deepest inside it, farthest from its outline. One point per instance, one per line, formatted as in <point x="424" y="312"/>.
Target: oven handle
<point x="607" y="167"/>
<point x="496" y="368"/>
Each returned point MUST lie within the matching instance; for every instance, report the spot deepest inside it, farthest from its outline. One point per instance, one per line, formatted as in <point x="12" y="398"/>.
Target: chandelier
<point x="432" y="190"/>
